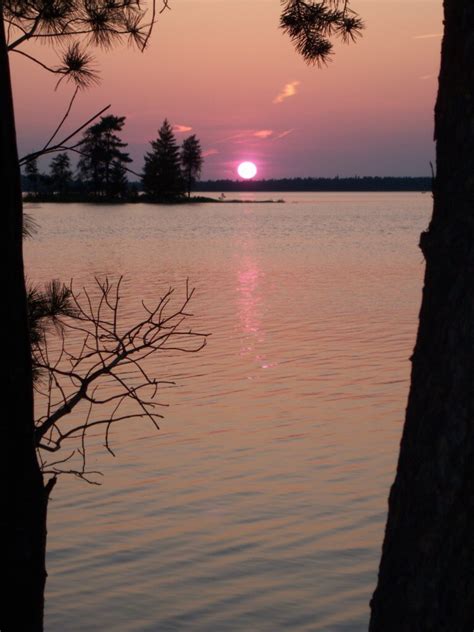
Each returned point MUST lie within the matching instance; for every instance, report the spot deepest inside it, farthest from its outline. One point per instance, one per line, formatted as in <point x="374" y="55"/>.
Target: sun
<point x="247" y="170"/>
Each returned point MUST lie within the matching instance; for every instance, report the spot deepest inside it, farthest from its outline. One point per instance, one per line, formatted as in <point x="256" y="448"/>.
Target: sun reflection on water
<point x="251" y="306"/>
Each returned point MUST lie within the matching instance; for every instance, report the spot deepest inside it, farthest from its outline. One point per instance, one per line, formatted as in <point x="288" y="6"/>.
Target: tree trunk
<point x="426" y="576"/>
<point x="23" y="512"/>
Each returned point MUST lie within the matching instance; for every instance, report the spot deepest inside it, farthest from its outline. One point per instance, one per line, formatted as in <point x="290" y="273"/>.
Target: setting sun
<point x="247" y="170"/>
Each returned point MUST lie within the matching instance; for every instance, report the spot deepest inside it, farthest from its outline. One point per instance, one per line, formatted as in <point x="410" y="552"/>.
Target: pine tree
<point x="61" y="174"/>
<point x="101" y="148"/>
<point x="161" y="177"/>
<point x="118" y="180"/>
<point x="191" y="161"/>
<point x="32" y="175"/>
<point x="69" y="26"/>
<point x="426" y="580"/>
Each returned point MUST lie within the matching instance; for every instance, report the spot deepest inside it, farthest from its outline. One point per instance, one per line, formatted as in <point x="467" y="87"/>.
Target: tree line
<point x="355" y="183"/>
<point x="170" y="170"/>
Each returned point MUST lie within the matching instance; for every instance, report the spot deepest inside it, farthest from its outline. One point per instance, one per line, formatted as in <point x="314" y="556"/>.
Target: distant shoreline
<point x="71" y="199"/>
<point x="351" y="185"/>
<point x="34" y="198"/>
<point x="366" y="184"/>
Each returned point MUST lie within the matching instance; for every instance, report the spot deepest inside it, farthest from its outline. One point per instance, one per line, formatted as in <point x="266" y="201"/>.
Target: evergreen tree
<point x="61" y="174"/>
<point x="426" y="580"/>
<point x="32" y="175"/>
<point x="46" y="307"/>
<point x="191" y="161"/>
<point x="162" y="174"/>
<point x="101" y="148"/>
<point x="118" y="180"/>
<point x="65" y="24"/>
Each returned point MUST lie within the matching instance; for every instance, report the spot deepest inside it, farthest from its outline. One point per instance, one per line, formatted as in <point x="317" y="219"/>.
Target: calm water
<point x="260" y="504"/>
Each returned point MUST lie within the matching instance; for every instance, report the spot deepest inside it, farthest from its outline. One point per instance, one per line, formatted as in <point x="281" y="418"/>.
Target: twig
<point x="105" y="355"/>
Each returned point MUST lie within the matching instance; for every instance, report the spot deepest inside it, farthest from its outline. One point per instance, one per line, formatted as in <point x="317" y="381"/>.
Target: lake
<point x="260" y="504"/>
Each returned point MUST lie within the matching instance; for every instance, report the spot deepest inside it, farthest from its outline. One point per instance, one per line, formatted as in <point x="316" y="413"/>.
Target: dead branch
<point x="98" y="360"/>
<point x="61" y="145"/>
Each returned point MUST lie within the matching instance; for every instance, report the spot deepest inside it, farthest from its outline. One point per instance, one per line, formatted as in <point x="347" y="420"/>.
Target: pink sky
<point x="223" y="70"/>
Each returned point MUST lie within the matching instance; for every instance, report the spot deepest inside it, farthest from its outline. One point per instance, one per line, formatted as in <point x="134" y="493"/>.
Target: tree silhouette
<point x="191" y="161"/>
<point x="426" y="579"/>
<point x="32" y="175"/>
<point x="72" y="27"/>
<point x="46" y="308"/>
<point x="98" y="347"/>
<point x="118" y="185"/>
<point x="311" y="25"/>
<point x="162" y="180"/>
<point x="102" y="160"/>
<point x="60" y="173"/>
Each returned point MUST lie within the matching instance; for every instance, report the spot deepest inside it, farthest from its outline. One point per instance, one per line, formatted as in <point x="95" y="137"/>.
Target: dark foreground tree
<point x="426" y="576"/>
<point x="66" y="23"/>
<point x="22" y="520"/>
<point x="162" y="180"/>
<point x="191" y="161"/>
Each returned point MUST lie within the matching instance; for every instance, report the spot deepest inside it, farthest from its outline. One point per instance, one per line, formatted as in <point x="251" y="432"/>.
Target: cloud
<point x="285" y="133"/>
<point x="231" y="137"/>
<point x="425" y="77"/>
<point x="209" y="152"/>
<point x="289" y="90"/>
<point x="181" y="128"/>
<point x="427" y="36"/>
<point x="250" y="136"/>
<point x="263" y="133"/>
<point x="246" y="136"/>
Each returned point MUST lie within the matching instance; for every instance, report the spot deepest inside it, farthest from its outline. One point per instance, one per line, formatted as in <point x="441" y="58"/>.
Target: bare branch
<point x="62" y="121"/>
<point x="61" y="146"/>
<point x="106" y="363"/>
<point x="37" y="61"/>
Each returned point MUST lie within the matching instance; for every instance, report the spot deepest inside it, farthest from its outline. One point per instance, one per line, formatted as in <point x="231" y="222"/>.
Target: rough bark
<point x="23" y="499"/>
<point x="426" y="576"/>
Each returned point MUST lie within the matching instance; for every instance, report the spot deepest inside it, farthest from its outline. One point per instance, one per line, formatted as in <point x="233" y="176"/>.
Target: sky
<point x="222" y="69"/>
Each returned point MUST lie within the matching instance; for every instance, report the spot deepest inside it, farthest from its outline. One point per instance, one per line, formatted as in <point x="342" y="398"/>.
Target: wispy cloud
<point x="428" y="36"/>
<point x="209" y="152"/>
<point x="252" y="136"/>
<point x="233" y="137"/>
<point x="246" y="136"/>
<point x="289" y="90"/>
<point x="181" y="128"/>
<point x="285" y="133"/>
<point x="425" y="77"/>
<point x="263" y="133"/>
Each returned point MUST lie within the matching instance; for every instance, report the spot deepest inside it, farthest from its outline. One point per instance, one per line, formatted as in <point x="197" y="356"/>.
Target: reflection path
<point x="251" y="303"/>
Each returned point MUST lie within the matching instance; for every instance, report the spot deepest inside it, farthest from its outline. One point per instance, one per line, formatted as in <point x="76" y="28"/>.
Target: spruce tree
<point x="32" y="175"/>
<point x="118" y="180"/>
<point x="61" y="174"/>
<point x="101" y="148"/>
<point x="162" y="180"/>
<point x="191" y="161"/>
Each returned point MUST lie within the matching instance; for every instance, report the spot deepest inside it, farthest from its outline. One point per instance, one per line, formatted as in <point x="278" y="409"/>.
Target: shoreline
<point x="43" y="199"/>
